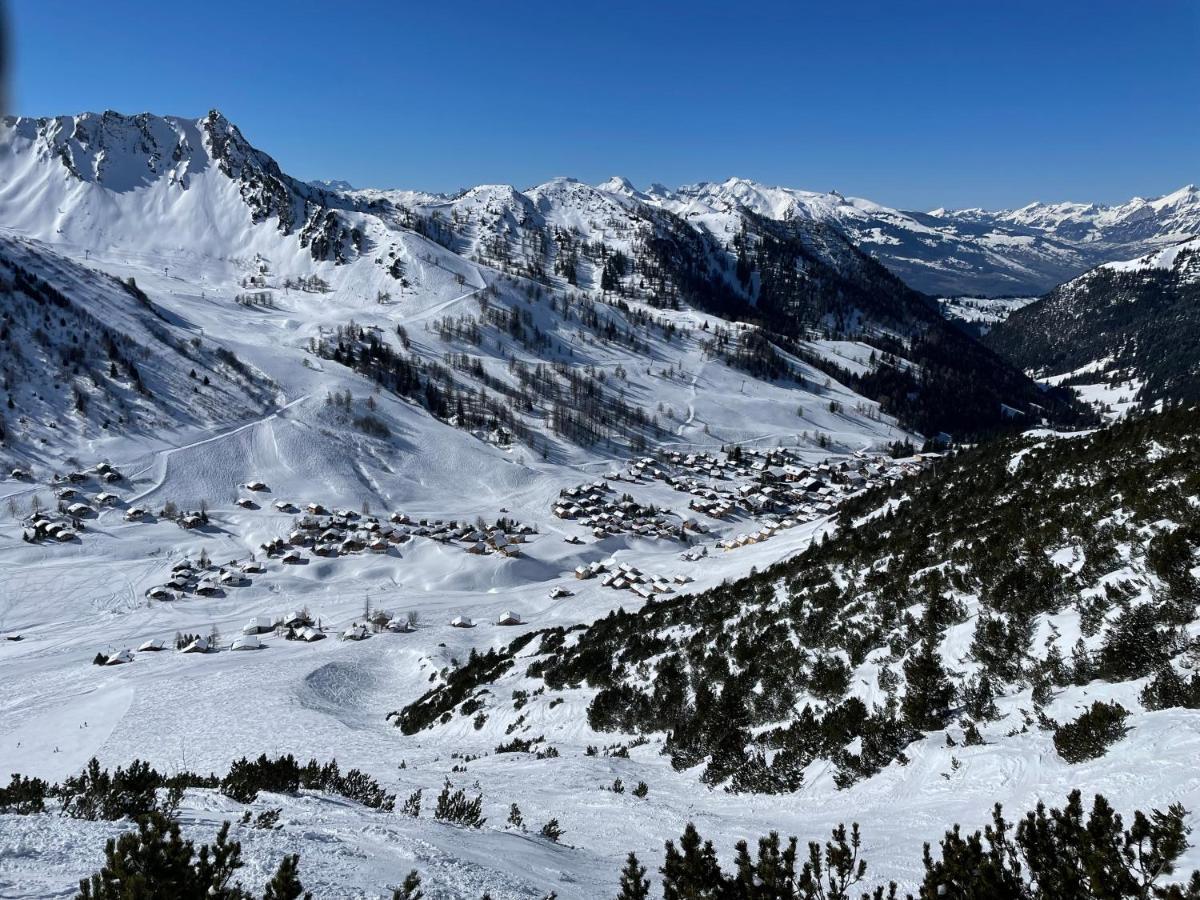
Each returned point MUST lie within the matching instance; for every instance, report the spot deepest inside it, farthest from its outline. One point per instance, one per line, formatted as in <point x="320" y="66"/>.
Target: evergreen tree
<point x="285" y="885"/>
<point x="410" y="889"/>
<point x="634" y="883"/>
<point x="155" y="862"/>
<point x="1168" y="690"/>
<point x="929" y="693"/>
<point x="692" y="872"/>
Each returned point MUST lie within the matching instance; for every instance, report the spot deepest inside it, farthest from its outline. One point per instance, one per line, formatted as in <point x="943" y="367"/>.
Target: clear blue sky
<point x="914" y="104"/>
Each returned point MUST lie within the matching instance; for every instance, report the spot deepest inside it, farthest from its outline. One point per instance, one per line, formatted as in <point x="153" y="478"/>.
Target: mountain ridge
<point x="175" y="187"/>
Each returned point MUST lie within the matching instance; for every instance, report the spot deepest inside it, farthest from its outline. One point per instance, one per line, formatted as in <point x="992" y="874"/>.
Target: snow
<point x="185" y="233"/>
<point x="1166" y="258"/>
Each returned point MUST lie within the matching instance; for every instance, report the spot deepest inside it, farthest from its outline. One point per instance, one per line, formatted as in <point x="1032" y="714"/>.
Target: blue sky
<point x="914" y="104"/>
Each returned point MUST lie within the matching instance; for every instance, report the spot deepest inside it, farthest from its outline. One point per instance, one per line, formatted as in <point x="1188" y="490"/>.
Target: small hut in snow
<point x="258" y="625"/>
<point x="199" y="645"/>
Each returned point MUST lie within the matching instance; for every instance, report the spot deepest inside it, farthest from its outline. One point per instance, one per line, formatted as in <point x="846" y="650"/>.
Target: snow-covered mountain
<point x="435" y="425"/>
<point x="1161" y="220"/>
<point x="183" y="191"/>
<point x="944" y="252"/>
<point x="948" y="252"/>
<point x="1124" y="335"/>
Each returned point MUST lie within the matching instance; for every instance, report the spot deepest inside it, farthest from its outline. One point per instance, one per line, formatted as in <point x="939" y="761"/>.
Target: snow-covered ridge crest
<point x="969" y="252"/>
<point x="164" y="183"/>
<point x="1167" y="258"/>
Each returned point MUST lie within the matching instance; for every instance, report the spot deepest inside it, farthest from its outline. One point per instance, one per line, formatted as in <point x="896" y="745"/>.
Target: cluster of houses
<point x="598" y="507"/>
<point x="297" y="625"/>
<point x="775" y="485"/>
<point x="627" y="577"/>
<point x="104" y="472"/>
<point x="340" y="532"/>
<point x="72" y="504"/>
<point x="203" y="579"/>
<point x="41" y="528"/>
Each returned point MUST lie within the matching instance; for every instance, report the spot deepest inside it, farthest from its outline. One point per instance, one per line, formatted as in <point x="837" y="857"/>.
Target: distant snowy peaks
<point x="1175" y="214"/>
<point x="620" y="185"/>
<point x="945" y="252"/>
<point x="332" y="184"/>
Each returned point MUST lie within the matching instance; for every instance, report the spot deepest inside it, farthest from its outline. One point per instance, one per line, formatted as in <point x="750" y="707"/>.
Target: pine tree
<point x="410" y="889"/>
<point x="929" y="693"/>
<point x="692" y="872"/>
<point x="634" y="883"/>
<point x="156" y="862"/>
<point x="285" y="885"/>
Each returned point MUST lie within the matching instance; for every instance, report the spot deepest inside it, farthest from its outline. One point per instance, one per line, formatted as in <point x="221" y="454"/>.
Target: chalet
<point x="292" y="558"/>
<point x="316" y="509"/>
<point x="135" y="514"/>
<point x="78" y="509"/>
<point x="207" y="588"/>
<point x="106" y="499"/>
<point x="119" y="658"/>
<point x="355" y="632"/>
<point x="110" y="477"/>
<point x="252" y="566"/>
<point x="379" y="545"/>
<point x="560" y="592"/>
<point x="191" y="520"/>
<point x="400" y="626"/>
<point x="20" y="474"/>
<point x="258" y="625"/>
<point x="230" y="577"/>
<point x="160" y="593"/>
<point x="462" y="622"/>
<point x="66" y="493"/>
<point x="284" y="506"/>
<point x="247" y="642"/>
<point x="246" y="503"/>
<point x="294" y="619"/>
<point x="255" y="486"/>
<point x="152" y="646"/>
<point x="310" y="634"/>
<point x="199" y="645"/>
<point x="508" y="617"/>
<point x="66" y="535"/>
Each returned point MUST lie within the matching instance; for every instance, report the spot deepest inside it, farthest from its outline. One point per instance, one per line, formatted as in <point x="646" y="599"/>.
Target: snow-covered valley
<point x="330" y="405"/>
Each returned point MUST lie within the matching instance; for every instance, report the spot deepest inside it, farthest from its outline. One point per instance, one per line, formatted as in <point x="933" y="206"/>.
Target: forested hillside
<point x="970" y="598"/>
<point x="1136" y="322"/>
